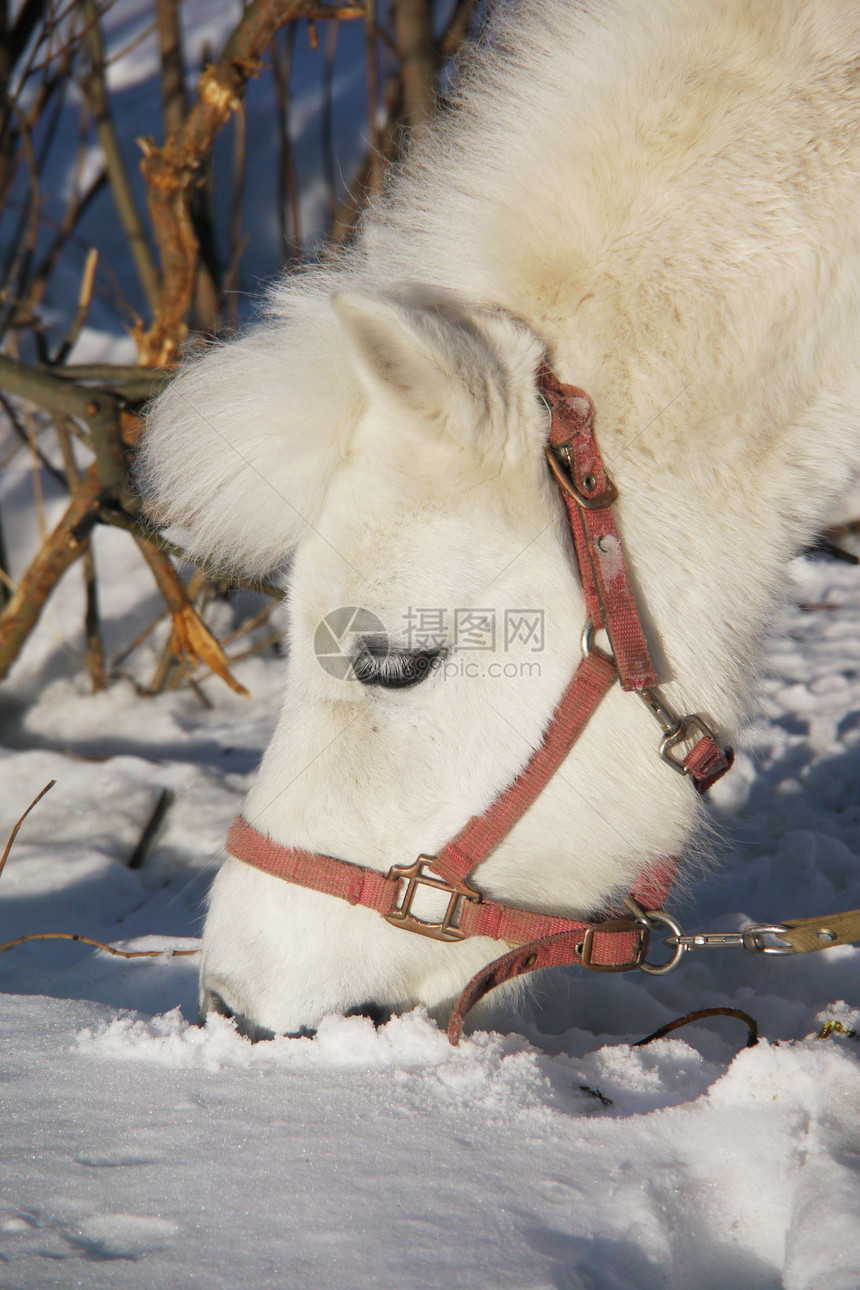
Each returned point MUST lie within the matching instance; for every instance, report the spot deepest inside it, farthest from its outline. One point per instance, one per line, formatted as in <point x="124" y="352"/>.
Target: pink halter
<point x="543" y="940"/>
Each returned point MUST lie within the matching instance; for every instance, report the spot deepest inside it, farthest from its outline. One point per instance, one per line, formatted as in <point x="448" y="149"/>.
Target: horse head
<point x="665" y="212"/>
<point x="392" y="448"/>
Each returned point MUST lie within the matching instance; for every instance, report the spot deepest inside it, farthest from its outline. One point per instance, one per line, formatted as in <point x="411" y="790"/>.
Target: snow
<point x="548" y="1153"/>
<point x="139" y="1148"/>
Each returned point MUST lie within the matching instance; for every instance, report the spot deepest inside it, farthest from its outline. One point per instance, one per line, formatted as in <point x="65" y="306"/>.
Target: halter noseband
<point x="614" y="944"/>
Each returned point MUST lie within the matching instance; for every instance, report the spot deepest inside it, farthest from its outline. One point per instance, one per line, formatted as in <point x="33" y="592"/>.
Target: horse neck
<point x="712" y="506"/>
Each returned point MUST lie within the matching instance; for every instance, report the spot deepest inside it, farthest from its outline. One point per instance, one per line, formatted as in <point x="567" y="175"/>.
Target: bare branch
<point x="457" y="29"/>
<point x="13" y="835"/>
<point x="94" y="647"/>
<point x="413" y="23"/>
<point x="99" y="409"/>
<point x="95" y="88"/>
<point x="7" y="586"/>
<point x="173" y="97"/>
<point x="56" y="555"/>
<point x="289" y="217"/>
<point x="171" y="171"/>
<point x="191" y="636"/>
<point x="85" y="296"/>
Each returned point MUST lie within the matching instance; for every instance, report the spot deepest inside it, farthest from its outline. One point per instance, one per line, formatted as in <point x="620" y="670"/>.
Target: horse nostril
<point x="375" y="1011"/>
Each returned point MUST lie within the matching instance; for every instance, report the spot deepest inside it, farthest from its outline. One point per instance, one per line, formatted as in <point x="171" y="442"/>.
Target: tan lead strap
<point x="822" y="933"/>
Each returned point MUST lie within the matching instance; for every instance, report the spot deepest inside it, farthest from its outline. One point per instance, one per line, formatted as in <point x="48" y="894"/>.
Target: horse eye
<point x="393" y="671"/>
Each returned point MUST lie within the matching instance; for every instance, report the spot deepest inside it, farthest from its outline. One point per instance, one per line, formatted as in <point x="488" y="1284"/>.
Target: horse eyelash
<point x="394" y="670"/>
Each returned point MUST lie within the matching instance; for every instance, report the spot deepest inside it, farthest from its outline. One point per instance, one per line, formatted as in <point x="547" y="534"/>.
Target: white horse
<point x="659" y="198"/>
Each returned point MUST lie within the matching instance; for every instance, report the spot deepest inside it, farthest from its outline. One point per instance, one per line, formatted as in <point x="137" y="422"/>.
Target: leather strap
<point x="588" y="496"/>
<point x="607" y="945"/>
<point x="807" y="934"/>
<point x="707" y="762"/>
<point x="355" y="883"/>
<point x="478" y="916"/>
<point x="593" y="677"/>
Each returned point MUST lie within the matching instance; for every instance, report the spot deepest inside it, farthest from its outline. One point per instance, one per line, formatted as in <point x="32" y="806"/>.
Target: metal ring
<point x="664" y="920"/>
<point x="586" y="640"/>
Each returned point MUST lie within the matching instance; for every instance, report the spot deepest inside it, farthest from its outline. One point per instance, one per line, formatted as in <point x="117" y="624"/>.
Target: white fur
<point x="665" y="196"/>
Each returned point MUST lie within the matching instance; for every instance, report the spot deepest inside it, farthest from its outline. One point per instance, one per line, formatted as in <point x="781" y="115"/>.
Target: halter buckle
<point x="562" y="469"/>
<point x="415" y="875"/>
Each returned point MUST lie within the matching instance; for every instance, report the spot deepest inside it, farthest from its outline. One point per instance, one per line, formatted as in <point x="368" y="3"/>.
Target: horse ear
<point x="428" y="356"/>
<point x="239" y="449"/>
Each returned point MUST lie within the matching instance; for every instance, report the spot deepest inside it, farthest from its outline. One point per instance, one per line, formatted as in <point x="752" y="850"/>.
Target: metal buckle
<point x="676" y="730"/>
<point x="679" y="734"/>
<point x="564" y="478"/>
<point x="414" y="875"/>
<point x="614" y="925"/>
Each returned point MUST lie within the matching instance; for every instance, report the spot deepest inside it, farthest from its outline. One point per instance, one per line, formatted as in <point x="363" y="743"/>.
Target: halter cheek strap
<point x="612" y="944"/>
<point x="588" y="493"/>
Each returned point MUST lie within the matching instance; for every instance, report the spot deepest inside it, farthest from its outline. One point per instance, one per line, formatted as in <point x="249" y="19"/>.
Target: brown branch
<point x="118" y="519"/>
<point x="371" y="56"/>
<point x="35" y="466"/>
<point x="750" y="1023"/>
<point x="16" y="39"/>
<point x="237" y="242"/>
<point x="25" y="438"/>
<point x="99" y="409"/>
<point x="413" y="25"/>
<point x="85" y="298"/>
<point x="24" y="241"/>
<point x="191" y="636"/>
<point x="55" y="556"/>
<point x="99" y="945"/>
<point x="13" y="835"/>
<point x="92" y="631"/>
<point x="137" y="384"/>
<point x="171" y="172"/>
<point x="153" y="824"/>
<point x="124" y="653"/>
<point x="73" y="936"/>
<point x="289" y="216"/>
<point x="95" y="88"/>
<point x="7" y="586"/>
<point x="174" y="101"/>
<point x="76" y="207"/>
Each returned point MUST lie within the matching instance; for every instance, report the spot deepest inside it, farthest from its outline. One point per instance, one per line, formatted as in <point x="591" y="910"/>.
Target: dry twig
<point x="171" y="172"/>
<point x="95" y="88"/>
<point x="191" y="636"/>
<point x="73" y="936"/>
<point x="13" y="835"/>
<point x="62" y="548"/>
<point x="750" y="1022"/>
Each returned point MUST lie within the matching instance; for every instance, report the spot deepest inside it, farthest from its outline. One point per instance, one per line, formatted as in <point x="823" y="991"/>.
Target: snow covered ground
<point x="141" y="1150"/>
